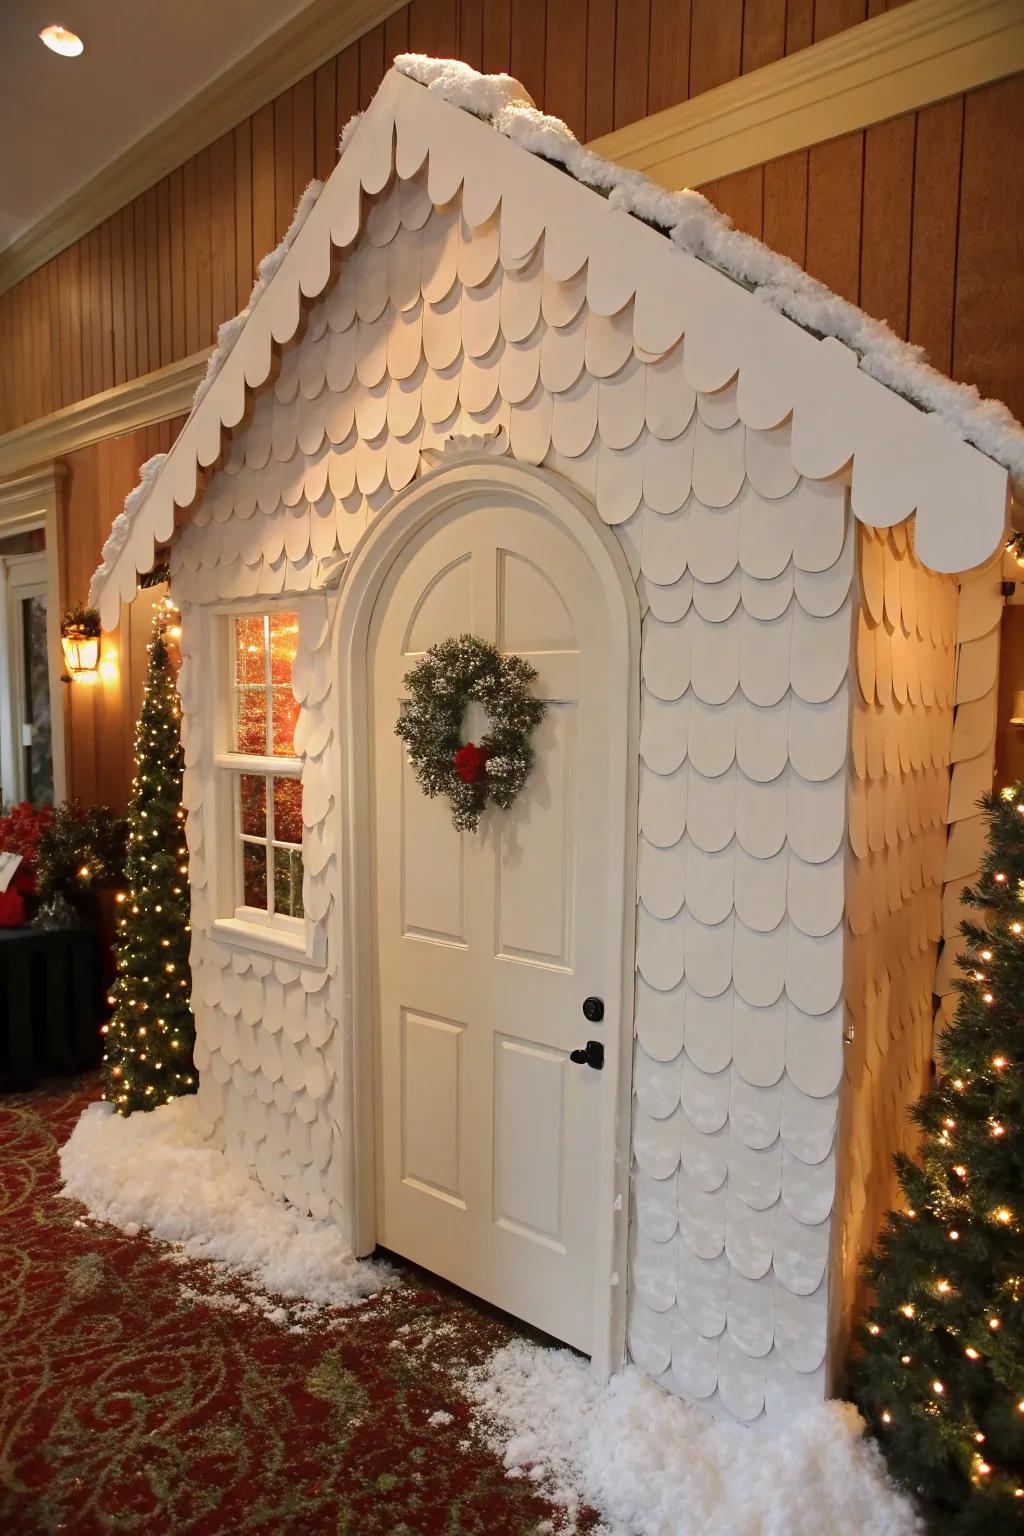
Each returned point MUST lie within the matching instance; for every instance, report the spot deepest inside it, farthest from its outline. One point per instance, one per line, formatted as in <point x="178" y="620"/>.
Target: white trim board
<point x="154" y="397"/>
<point x="921" y="53"/>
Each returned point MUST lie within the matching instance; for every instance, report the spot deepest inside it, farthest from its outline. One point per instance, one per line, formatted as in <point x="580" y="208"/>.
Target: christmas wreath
<point x="453" y="674"/>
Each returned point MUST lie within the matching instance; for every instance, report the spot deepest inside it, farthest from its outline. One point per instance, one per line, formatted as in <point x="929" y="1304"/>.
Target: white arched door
<point x="495" y="1149"/>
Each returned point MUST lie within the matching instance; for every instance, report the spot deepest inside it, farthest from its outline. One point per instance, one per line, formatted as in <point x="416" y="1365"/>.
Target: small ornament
<point x="453" y="674"/>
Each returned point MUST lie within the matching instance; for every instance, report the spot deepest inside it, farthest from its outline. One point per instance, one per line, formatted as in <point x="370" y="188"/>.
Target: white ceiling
<point x="62" y="120"/>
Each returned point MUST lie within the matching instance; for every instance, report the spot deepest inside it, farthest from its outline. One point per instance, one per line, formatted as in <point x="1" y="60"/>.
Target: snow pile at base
<point x="227" y="335"/>
<point x="696" y="226"/>
<point x="161" y="1171"/>
<point x="652" y="1465"/>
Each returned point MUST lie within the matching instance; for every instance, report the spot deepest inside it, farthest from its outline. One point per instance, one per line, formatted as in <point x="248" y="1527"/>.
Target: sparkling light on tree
<point x="151" y="1035"/>
<point x="940" y="1370"/>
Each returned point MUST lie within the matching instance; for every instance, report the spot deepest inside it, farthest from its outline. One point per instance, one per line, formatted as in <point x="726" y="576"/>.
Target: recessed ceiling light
<point x="61" y="40"/>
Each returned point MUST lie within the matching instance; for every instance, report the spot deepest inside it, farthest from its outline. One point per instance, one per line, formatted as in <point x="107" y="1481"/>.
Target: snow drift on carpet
<point x="654" y="1466"/>
<point x="161" y="1171"/>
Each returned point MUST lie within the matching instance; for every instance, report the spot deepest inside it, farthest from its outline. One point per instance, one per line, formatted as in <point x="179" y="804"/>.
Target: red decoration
<point x="470" y="761"/>
<point x="12" y="908"/>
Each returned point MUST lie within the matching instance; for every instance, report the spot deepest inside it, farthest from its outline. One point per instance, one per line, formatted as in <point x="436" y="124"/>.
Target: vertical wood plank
<point x="149" y="203"/>
<point x="989" y="319"/>
<point x="243" y="213"/>
<point x="832" y="16"/>
<point x="741" y="196"/>
<point x="346" y="85"/>
<point x="284" y="191"/>
<point x="176" y="197"/>
<point x="716" y="43"/>
<point x="303" y="135"/>
<point x="668" y="72"/>
<point x="600" y="67"/>
<point x="936" y="215"/>
<point x="163" y="214"/>
<point x="785" y="206"/>
<point x="396" y="35"/>
<point x="106" y="309"/>
<point x="632" y="45"/>
<point x="834" y="183"/>
<point x="131" y="362"/>
<point x="190" y="257"/>
<point x="263" y="216"/>
<point x="886" y="221"/>
<point x="95" y="313"/>
<point x="117" y="298"/>
<point x="526" y="46"/>
<point x="204" y="237"/>
<point x="222" y="215"/>
<point x="141" y="286"/>
<point x="471" y="33"/>
<point x="433" y="28"/>
<point x="799" y="24"/>
<point x="325" y="151"/>
<point x="497" y="35"/>
<point x="56" y="398"/>
<point x="371" y="65"/>
<point x="565" y="73"/>
<point x="764" y="33"/>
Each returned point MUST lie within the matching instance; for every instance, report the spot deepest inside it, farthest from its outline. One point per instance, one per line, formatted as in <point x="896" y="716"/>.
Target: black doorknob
<point x="592" y="1055"/>
<point x="593" y="1009"/>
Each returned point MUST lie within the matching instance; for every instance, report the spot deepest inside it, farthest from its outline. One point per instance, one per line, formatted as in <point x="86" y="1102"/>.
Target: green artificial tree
<point x="939" y="1371"/>
<point x="151" y="1035"/>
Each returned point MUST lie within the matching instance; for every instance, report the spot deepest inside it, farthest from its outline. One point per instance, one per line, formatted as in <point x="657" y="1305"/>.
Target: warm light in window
<point x="63" y="41"/>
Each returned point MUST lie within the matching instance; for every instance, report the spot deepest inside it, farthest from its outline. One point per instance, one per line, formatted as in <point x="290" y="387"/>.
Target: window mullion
<point x="268" y="692"/>
<point x="271" y="890"/>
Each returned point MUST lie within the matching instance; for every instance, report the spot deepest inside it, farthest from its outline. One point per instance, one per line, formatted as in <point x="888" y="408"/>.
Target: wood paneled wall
<point x="100" y="716"/>
<point x="152" y="283"/>
<point x="920" y="221"/>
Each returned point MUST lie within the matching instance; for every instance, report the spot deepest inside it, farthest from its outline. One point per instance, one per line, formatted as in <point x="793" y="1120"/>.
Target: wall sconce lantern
<point x="80" y="642"/>
<point x="1017" y="718"/>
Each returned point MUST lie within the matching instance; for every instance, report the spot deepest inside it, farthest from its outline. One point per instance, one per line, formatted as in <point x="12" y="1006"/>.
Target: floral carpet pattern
<point x="138" y="1394"/>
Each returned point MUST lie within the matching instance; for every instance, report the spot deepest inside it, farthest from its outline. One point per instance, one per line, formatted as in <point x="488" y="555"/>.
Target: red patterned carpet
<point x="128" y="1404"/>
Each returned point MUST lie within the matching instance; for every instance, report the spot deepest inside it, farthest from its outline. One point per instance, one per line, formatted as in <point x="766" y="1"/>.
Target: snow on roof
<point x="687" y="270"/>
<point x="695" y="225"/>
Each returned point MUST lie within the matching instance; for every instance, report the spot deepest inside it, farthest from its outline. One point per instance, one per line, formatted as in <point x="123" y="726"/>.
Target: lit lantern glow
<point x="63" y="41"/>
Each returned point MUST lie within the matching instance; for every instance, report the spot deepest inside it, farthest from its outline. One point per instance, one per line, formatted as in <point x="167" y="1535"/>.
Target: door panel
<point x="486" y="943"/>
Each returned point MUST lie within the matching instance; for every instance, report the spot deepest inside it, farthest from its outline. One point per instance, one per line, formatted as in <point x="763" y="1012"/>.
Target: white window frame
<point x="298" y="939"/>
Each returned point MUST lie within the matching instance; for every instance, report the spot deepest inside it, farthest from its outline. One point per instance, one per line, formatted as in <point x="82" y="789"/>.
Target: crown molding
<point x="902" y="60"/>
<point x="305" y="42"/>
<point x="139" y="403"/>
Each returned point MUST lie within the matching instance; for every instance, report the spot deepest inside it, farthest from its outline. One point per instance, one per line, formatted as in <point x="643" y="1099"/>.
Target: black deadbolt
<point x="591" y="1056"/>
<point x="593" y="1009"/>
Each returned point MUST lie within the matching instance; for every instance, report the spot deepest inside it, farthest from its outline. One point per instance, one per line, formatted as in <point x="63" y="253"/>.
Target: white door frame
<point x="438" y="492"/>
<point x="32" y="501"/>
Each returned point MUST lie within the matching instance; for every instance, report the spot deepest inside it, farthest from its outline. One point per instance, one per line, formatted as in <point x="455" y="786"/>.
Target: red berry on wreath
<point x="469" y="762"/>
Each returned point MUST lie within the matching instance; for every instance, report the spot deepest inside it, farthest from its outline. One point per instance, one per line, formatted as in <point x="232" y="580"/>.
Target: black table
<point x="51" y="1003"/>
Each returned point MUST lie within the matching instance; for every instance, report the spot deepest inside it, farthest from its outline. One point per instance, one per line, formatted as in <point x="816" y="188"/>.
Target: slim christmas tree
<point x="150" y="1038"/>
<point x="940" y="1369"/>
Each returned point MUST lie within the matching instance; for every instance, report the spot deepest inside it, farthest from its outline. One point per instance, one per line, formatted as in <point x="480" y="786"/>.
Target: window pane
<point x="253" y="798"/>
<point x="254" y="875"/>
<point x="288" y="882"/>
<point x="284" y="643"/>
<point x="250" y="652"/>
<point x="286" y="713"/>
<point x="288" y="811"/>
<point x="251" y="720"/>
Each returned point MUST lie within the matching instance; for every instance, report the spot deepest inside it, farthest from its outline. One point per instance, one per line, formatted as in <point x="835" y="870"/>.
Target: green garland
<point x="453" y="674"/>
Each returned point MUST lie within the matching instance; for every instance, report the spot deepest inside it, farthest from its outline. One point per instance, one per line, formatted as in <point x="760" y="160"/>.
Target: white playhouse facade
<point x="492" y="385"/>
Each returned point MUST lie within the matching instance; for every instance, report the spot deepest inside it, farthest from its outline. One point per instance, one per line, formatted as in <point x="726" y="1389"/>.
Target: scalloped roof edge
<point x="847" y="344"/>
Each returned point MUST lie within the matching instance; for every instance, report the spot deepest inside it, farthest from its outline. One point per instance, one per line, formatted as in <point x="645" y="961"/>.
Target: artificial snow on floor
<point x="653" y="1466"/>
<point x="161" y="1172"/>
